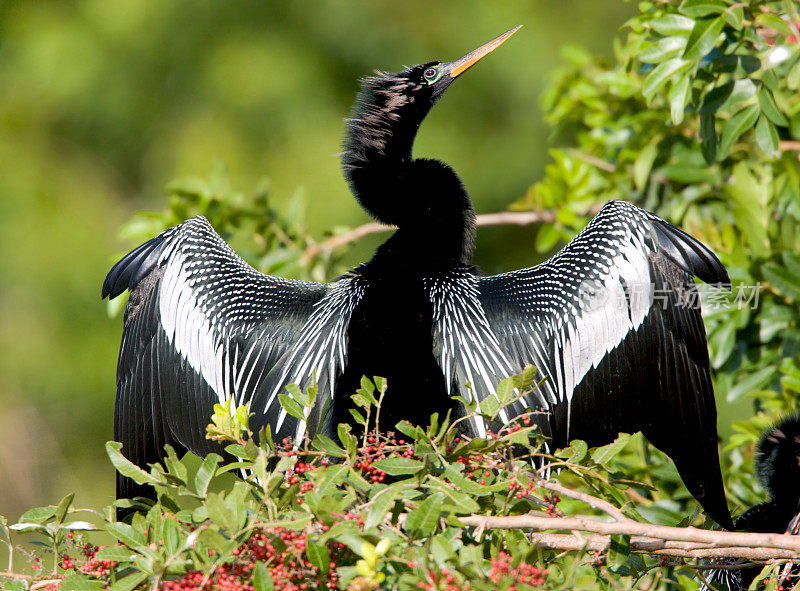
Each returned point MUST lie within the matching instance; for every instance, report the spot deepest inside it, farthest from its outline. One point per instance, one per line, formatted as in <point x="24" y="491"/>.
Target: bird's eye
<point x="431" y="74"/>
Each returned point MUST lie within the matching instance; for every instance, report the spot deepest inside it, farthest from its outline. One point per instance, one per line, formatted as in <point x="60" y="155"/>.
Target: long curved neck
<point x="424" y="198"/>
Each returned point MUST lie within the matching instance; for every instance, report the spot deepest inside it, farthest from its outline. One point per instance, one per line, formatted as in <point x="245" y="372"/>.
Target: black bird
<point x="778" y="469"/>
<point x="611" y="320"/>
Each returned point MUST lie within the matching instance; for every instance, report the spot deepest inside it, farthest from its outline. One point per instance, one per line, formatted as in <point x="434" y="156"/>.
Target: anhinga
<point x="777" y="464"/>
<point x="610" y="320"/>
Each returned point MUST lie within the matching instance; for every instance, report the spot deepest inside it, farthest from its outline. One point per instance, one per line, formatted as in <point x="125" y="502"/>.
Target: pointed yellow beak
<point x="462" y="65"/>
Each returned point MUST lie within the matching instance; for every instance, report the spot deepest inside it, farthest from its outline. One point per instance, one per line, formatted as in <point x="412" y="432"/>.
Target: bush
<point x="366" y="511"/>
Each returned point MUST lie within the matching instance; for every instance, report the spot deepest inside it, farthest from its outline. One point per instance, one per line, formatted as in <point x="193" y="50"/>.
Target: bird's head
<point x="390" y="107"/>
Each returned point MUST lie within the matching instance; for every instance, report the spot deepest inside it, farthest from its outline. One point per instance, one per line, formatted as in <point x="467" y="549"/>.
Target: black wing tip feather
<point x="680" y="248"/>
<point x="132" y="268"/>
<point x="690" y="254"/>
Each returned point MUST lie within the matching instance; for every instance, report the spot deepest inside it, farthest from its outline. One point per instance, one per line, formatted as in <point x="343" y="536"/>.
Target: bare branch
<point x="736" y="544"/>
<point x="642" y="545"/>
<point x="501" y="218"/>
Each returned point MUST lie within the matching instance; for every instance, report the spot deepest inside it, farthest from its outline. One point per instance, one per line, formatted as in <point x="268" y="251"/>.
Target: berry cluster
<point x="597" y="559"/>
<point x="295" y="474"/>
<point x="521" y="491"/>
<point x="282" y="551"/>
<point x="377" y="450"/>
<point x="522" y="574"/>
<point x="475" y="464"/>
<point x="552" y="501"/>
<point x="442" y="580"/>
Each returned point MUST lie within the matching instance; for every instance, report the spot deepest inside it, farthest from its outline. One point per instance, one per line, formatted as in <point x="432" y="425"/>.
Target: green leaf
<point x="546" y="237"/>
<point x="205" y="473"/>
<point x="292" y="407"/>
<point x="328" y="445"/>
<point x="522" y="436"/>
<point x="755" y="381"/>
<point x="348" y="440"/>
<point x="766" y="136"/>
<point x="79" y="582"/>
<point x="461" y="502"/>
<point x="767" y="19"/>
<point x="380" y="505"/>
<point x="576" y="451"/>
<point x="708" y="136"/>
<point x="603" y="455"/>
<point x="672" y="24"/>
<point x="63" y="507"/>
<point x="770" y="108"/>
<point x="661" y="74"/>
<point x="644" y="164"/>
<point x="115" y="553"/>
<point x="125" y="467"/>
<point x="735" y="127"/>
<point x="441" y="550"/>
<point x="38" y="514"/>
<point x="528" y="376"/>
<point x="262" y="580"/>
<point x="297" y="394"/>
<point x="701" y="8"/>
<point x="318" y="555"/>
<point x="618" y="550"/>
<point x="505" y="389"/>
<point x="783" y="281"/>
<point x="678" y="96"/>
<point x="189" y="186"/>
<point x="126" y="534"/>
<point x="398" y="466"/>
<point x="79" y="526"/>
<point x="747" y="64"/>
<point x="490" y="405"/>
<point x="722" y="341"/>
<point x="734" y="16"/>
<point x="714" y="98"/>
<point x="665" y="48"/>
<point x="359" y="418"/>
<point x="129" y="583"/>
<point x="703" y="38"/>
<point x="422" y="520"/>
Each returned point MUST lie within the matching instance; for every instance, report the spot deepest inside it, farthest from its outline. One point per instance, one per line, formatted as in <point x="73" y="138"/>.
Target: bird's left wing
<point x="613" y="324"/>
<point x="202" y="326"/>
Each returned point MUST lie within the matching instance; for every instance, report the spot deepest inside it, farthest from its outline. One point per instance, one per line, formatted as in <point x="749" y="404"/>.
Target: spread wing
<point x="202" y="326"/>
<point x="613" y="322"/>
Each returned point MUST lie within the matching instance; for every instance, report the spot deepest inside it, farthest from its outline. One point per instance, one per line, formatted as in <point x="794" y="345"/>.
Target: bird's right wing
<point x="613" y="321"/>
<point x="612" y="324"/>
<point x="201" y="326"/>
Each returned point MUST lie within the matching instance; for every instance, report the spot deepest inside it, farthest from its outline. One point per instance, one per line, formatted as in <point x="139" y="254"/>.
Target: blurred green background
<point x="103" y="103"/>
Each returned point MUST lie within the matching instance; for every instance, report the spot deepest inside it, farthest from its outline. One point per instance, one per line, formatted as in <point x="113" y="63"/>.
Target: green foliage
<point x="698" y="120"/>
<point x="302" y="516"/>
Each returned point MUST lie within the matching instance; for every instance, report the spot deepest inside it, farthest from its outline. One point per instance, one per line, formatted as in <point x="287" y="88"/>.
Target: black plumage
<point x="611" y="320"/>
<point x="777" y="465"/>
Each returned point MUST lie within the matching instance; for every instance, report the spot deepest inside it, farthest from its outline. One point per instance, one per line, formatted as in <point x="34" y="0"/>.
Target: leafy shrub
<point x="365" y="511"/>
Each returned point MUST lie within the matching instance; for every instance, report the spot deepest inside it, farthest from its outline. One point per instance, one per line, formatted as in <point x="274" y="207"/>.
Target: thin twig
<point x="335" y="242"/>
<point x="593" y="502"/>
<point x="45" y="583"/>
<point x="11" y="575"/>
<point x="593" y="160"/>
<point x="500" y="218"/>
